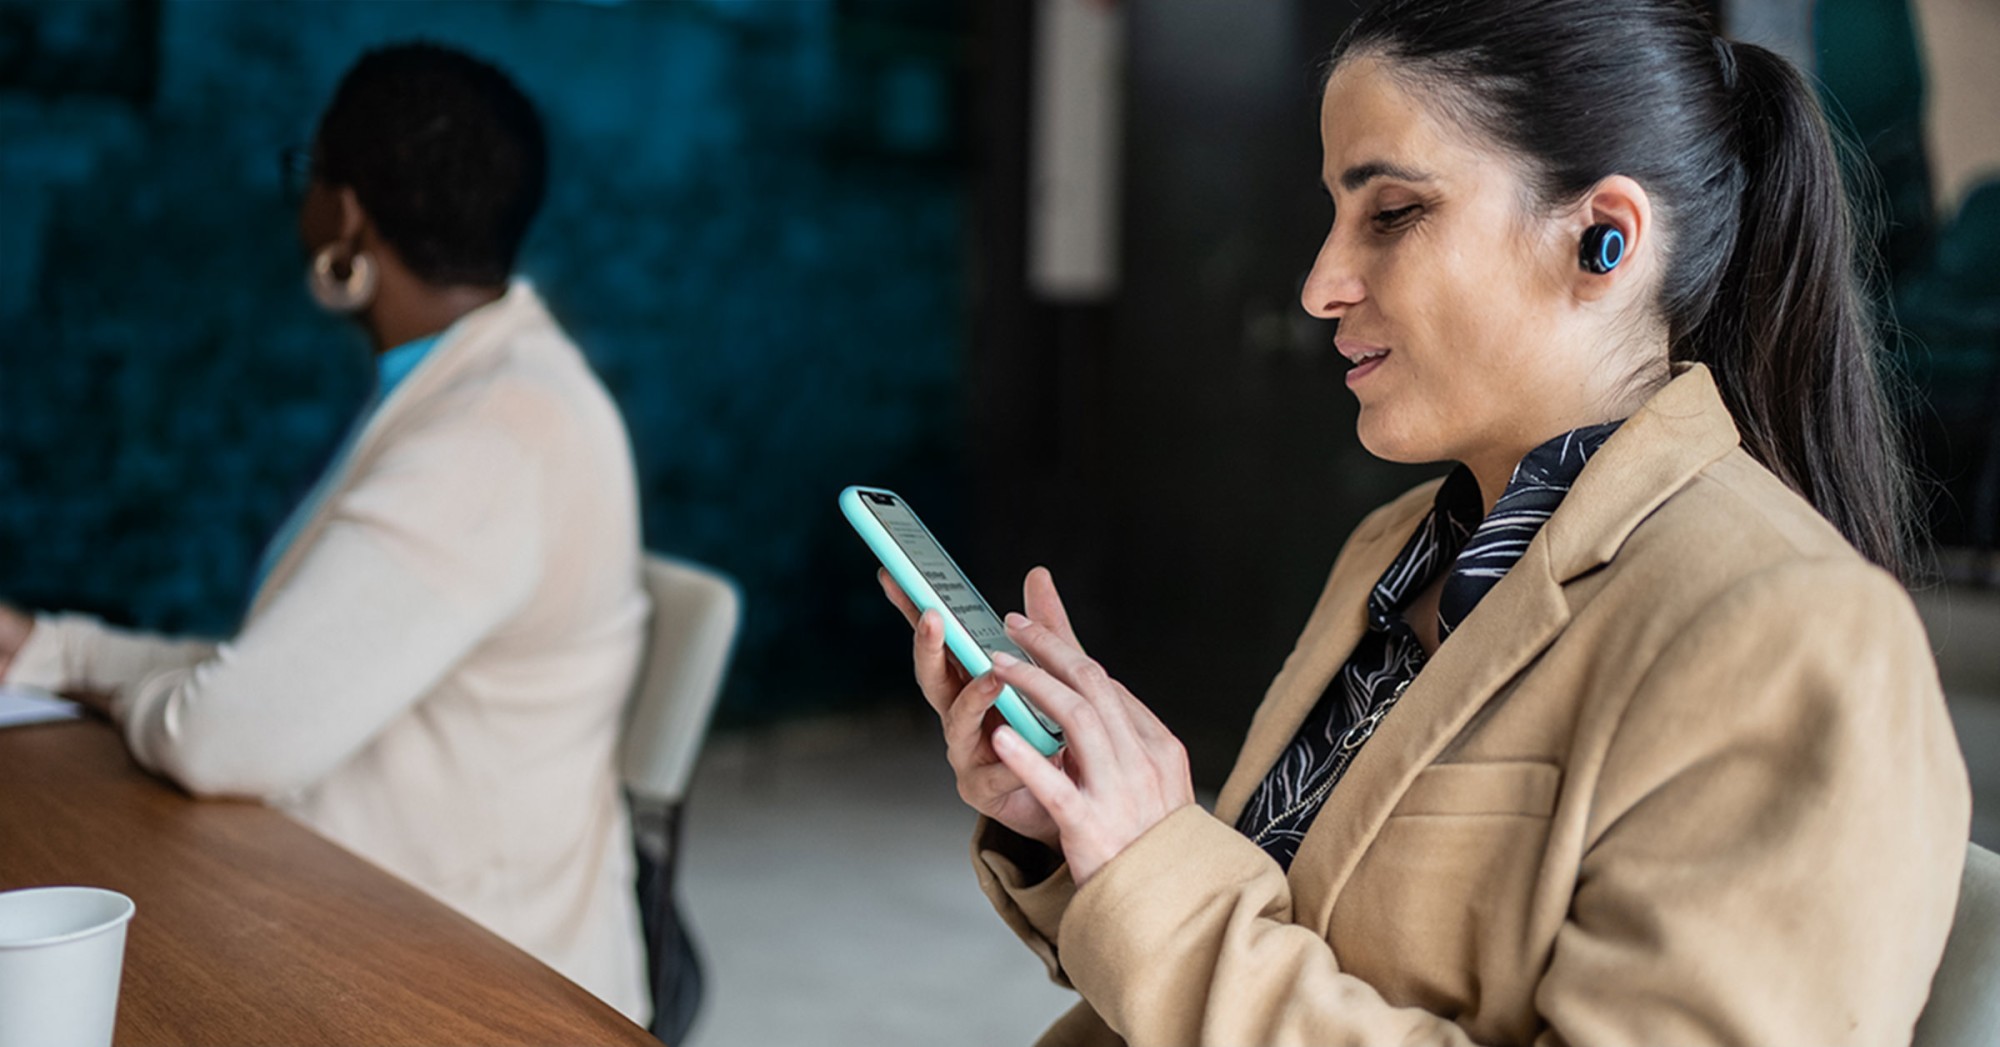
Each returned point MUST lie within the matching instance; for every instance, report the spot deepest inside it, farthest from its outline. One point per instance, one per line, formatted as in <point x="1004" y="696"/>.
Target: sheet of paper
<point x="24" y="705"/>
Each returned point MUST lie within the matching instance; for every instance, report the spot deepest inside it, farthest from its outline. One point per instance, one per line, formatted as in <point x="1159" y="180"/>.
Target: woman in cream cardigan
<point x="443" y="636"/>
<point x="1625" y="732"/>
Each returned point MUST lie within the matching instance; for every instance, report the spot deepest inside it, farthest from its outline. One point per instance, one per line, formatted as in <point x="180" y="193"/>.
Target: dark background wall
<point x="754" y="231"/>
<point x="1193" y="470"/>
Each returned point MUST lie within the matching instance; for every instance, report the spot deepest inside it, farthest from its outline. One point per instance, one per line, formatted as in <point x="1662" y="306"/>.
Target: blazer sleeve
<point x="418" y="560"/>
<point x="1032" y="906"/>
<point x="1773" y="855"/>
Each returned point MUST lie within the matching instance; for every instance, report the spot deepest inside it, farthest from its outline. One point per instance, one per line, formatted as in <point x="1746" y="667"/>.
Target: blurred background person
<point x="755" y="229"/>
<point x="444" y="632"/>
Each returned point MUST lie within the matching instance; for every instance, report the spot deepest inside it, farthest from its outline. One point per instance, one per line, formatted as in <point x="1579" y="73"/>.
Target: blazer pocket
<point x="1514" y="787"/>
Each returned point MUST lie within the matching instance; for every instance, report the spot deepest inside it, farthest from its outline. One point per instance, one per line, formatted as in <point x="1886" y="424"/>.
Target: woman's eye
<point x="1395" y="218"/>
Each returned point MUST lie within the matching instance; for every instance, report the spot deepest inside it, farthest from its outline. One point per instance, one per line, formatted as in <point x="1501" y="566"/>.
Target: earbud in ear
<point x="1603" y="248"/>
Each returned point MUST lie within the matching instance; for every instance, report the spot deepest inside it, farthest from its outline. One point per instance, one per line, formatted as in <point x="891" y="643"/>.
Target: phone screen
<point x="935" y="564"/>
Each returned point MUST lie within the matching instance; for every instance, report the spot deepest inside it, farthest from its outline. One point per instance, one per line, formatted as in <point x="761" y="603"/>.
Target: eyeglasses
<point x="295" y="172"/>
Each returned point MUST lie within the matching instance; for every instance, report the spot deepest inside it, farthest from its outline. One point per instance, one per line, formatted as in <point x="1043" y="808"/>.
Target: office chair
<point x="1964" y="1008"/>
<point x="696" y="611"/>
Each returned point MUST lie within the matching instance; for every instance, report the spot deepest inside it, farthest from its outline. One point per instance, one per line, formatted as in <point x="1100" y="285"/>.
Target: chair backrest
<point x="696" y="611"/>
<point x="1964" y="1008"/>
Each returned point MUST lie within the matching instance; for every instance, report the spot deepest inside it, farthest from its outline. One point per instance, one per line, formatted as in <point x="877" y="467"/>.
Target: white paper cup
<point x="62" y="950"/>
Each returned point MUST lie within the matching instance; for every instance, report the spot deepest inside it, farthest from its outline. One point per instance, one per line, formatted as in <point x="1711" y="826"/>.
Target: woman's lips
<point x="1365" y="367"/>
<point x="1364" y="356"/>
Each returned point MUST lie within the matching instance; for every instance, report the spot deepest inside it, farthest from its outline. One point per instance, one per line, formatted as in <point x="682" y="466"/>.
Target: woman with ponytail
<point x="1624" y="731"/>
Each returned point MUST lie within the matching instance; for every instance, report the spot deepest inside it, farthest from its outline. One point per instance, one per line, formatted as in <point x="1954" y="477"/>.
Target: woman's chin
<point x="1393" y="443"/>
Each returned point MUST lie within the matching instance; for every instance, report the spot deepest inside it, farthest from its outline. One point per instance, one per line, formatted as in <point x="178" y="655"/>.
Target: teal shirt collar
<point x="390" y="369"/>
<point x="396" y="364"/>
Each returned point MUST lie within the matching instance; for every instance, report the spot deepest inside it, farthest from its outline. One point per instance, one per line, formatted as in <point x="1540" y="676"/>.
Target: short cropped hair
<point x="445" y="154"/>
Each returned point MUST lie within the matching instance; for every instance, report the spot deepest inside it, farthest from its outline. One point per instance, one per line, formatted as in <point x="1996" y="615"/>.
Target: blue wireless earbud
<point x="1603" y="248"/>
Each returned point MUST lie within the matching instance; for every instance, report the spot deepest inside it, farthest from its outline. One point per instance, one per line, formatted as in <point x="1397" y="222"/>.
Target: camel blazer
<point x="433" y="674"/>
<point x="1683" y="777"/>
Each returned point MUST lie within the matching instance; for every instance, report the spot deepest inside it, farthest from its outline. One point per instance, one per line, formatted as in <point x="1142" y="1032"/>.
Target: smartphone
<point x="933" y="582"/>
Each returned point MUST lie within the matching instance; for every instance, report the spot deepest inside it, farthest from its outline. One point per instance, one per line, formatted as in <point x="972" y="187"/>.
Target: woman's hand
<point x="14" y="629"/>
<point x="965" y="708"/>
<point x="1125" y="772"/>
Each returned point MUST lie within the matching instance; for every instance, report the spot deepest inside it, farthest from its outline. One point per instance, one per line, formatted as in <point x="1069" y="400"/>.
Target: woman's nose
<point x="1332" y="286"/>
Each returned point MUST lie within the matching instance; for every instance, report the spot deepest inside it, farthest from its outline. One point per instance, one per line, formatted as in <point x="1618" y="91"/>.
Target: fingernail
<point x="1016" y="620"/>
<point x="1004" y="737"/>
<point x="1003" y="659"/>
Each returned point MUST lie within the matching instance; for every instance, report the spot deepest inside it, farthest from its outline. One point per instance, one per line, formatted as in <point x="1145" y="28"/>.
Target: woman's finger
<point x="896" y="595"/>
<point x="1046" y="782"/>
<point x="965" y="721"/>
<point x="983" y="785"/>
<point x="1063" y="661"/>
<point x="1045" y="605"/>
<point x="938" y="676"/>
<point x="1093" y="736"/>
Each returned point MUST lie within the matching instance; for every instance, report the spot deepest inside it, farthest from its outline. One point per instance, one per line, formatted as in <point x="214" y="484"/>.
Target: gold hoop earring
<point x="342" y="296"/>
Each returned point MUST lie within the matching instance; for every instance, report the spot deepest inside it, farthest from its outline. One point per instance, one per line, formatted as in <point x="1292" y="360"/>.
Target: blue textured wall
<point x="754" y="231"/>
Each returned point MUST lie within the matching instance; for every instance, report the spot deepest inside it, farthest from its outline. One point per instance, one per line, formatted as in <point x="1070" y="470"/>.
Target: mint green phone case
<point x="1041" y="732"/>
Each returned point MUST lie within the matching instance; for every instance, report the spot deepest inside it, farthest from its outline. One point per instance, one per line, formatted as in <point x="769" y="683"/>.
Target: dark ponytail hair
<point x="1762" y="279"/>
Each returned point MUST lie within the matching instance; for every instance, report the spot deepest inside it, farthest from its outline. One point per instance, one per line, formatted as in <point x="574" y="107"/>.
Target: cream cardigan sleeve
<point x="1747" y="880"/>
<point x="422" y="554"/>
<point x="77" y="652"/>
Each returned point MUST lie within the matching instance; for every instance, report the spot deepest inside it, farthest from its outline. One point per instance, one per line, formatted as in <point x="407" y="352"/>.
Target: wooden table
<point x="252" y="929"/>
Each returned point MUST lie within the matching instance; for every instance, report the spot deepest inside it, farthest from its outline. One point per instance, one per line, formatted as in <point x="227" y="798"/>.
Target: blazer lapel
<point x="1679" y="432"/>
<point x="1335" y="626"/>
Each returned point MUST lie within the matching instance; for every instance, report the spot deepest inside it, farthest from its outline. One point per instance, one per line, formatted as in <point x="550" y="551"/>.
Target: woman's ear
<point x="353" y="218"/>
<point x="1623" y="205"/>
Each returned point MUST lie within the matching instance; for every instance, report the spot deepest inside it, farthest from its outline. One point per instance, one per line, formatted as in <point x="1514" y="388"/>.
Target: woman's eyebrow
<point x="1361" y="174"/>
